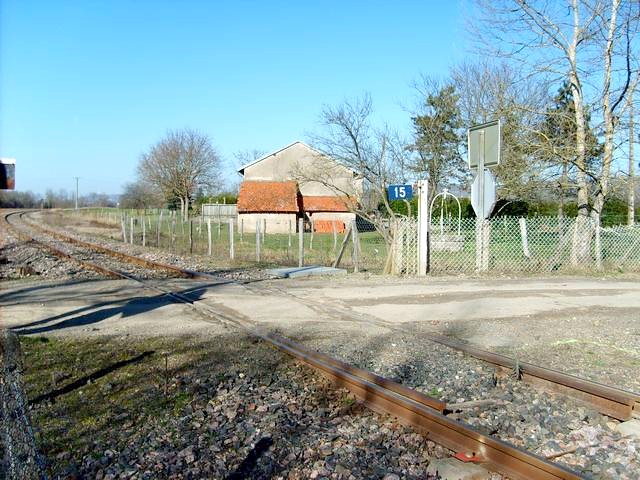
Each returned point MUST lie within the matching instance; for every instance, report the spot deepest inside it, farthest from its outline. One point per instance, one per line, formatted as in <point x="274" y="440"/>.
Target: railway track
<point x="610" y="401"/>
<point x="409" y="406"/>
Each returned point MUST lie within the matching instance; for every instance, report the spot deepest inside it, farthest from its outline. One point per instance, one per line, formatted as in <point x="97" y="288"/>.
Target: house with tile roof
<point x="297" y="182"/>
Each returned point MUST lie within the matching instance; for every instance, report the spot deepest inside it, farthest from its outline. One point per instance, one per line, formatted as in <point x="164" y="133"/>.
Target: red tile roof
<point x="325" y="204"/>
<point x="268" y="197"/>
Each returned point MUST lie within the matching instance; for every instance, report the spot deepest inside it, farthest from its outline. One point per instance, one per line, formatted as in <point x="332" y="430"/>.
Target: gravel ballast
<point x="228" y="407"/>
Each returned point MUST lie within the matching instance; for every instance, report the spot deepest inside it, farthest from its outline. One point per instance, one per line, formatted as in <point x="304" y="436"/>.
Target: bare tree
<point x="589" y="44"/>
<point x="180" y="164"/>
<point x="140" y="195"/>
<point x="491" y="90"/>
<point x="376" y="157"/>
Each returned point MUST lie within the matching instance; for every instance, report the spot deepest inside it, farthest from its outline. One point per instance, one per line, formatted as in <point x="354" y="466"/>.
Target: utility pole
<point x="77" y="178"/>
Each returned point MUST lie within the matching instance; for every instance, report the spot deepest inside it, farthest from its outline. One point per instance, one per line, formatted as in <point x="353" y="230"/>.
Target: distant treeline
<point x="51" y="199"/>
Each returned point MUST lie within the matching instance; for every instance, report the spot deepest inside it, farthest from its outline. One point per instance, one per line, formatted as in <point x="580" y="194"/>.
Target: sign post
<point x="399" y="192"/>
<point x="423" y="228"/>
<point x="484" y="151"/>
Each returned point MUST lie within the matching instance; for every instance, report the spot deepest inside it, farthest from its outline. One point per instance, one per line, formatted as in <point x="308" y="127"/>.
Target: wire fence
<point x="500" y="245"/>
<point x="359" y="246"/>
<point x="531" y="245"/>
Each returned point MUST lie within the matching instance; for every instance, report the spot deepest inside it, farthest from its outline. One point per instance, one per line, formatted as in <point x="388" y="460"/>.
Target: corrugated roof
<point x="268" y="197"/>
<point x="325" y="204"/>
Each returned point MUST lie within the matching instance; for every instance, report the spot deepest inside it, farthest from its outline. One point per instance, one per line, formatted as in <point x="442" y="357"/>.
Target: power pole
<point x="77" y="178"/>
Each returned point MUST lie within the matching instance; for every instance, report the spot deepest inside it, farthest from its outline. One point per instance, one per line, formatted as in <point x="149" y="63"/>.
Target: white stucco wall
<point x="275" y="222"/>
<point x="301" y="163"/>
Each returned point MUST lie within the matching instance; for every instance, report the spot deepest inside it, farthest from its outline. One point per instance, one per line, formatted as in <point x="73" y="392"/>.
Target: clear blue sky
<point x="87" y="86"/>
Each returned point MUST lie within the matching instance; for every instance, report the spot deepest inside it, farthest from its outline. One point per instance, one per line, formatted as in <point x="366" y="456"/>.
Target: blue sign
<point x="400" y="192"/>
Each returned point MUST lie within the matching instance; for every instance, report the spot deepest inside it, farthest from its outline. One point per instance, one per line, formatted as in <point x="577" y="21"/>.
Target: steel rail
<point x="59" y="253"/>
<point x="409" y="406"/>
<point x="122" y="256"/>
<point x="611" y="401"/>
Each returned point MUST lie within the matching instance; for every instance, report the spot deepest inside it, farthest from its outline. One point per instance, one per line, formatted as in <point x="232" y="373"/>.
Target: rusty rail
<point x="388" y="397"/>
<point x="98" y="248"/>
<point x="610" y="401"/>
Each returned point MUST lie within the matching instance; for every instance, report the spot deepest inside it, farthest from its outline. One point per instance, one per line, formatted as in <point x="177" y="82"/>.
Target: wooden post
<point x="263" y="232"/>
<point x="131" y="230"/>
<point x="289" y="244"/>
<point x="356" y="247"/>
<point x="190" y="236"/>
<point x="300" y="242"/>
<point x="311" y="238"/>
<point x="523" y="235"/>
<point x="232" y="253"/>
<point x="258" y="241"/>
<point x="345" y="241"/>
<point x="209" y="236"/>
<point x="144" y="232"/>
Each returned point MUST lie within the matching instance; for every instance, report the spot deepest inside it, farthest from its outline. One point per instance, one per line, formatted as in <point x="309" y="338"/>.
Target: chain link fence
<point x="500" y="245"/>
<point x="533" y="245"/>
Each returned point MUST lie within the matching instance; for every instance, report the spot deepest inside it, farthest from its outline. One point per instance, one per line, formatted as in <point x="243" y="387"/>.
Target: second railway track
<point x="410" y="406"/>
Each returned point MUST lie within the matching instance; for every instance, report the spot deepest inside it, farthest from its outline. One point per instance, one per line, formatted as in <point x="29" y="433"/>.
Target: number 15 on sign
<point x="399" y="192"/>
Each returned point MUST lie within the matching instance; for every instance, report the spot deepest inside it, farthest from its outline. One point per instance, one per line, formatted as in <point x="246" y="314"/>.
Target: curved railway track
<point x="409" y="406"/>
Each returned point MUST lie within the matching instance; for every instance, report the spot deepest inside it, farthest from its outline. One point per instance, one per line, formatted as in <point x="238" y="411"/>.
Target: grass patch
<point x="92" y="416"/>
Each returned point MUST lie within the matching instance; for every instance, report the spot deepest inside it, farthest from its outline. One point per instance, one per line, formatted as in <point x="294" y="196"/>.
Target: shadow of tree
<point x="102" y="311"/>
<point x="51" y="396"/>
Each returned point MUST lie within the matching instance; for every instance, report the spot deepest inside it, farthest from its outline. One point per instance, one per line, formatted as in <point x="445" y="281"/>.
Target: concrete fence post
<point x="356" y="247"/>
<point x="258" y="241"/>
<point x="158" y="227"/>
<point x="124" y="229"/>
<point x="335" y="235"/>
<point x="300" y="242"/>
<point x="209" y="236"/>
<point x="232" y="253"/>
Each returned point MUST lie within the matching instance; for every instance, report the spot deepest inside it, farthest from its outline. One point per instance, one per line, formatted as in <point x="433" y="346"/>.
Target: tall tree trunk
<point x="583" y="231"/>
<point x="631" y="206"/>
